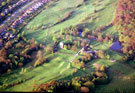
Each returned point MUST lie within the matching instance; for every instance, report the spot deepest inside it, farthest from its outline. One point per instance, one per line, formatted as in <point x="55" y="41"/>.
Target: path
<point x="76" y="55"/>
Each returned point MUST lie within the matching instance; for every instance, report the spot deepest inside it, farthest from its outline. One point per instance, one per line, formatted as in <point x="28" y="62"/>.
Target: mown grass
<point x="57" y="68"/>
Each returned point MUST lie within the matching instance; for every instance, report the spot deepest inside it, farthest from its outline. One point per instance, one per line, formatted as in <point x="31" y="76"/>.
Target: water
<point x="116" y="46"/>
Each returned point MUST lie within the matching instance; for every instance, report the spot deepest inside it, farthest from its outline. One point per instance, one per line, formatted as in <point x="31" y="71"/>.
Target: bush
<point x="103" y="68"/>
<point x="76" y="85"/>
<point x="84" y="90"/>
<point x="101" y="54"/>
<point x="89" y="84"/>
<point x="9" y="71"/>
<point x="99" y="74"/>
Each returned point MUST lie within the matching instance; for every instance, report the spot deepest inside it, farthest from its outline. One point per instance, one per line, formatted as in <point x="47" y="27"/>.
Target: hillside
<point x="77" y="45"/>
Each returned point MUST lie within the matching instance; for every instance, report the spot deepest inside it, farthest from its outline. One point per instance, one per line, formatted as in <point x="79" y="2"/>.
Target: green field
<point x="51" y="15"/>
<point x="59" y="66"/>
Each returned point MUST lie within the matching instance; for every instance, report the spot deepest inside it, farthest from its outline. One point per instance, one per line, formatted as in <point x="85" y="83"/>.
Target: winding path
<point x="76" y="55"/>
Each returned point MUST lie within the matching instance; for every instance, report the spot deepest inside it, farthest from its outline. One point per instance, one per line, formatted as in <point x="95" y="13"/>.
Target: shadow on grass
<point x="117" y="83"/>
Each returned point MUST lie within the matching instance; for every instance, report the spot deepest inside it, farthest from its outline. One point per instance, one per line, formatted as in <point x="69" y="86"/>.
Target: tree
<point x="39" y="60"/>
<point x="9" y="71"/>
<point x="2" y="14"/>
<point x="68" y="46"/>
<point x="48" y="49"/>
<point x="65" y="47"/>
<point x="20" y="64"/>
<point x="21" y="59"/>
<point x="83" y="34"/>
<point x="100" y="38"/>
<point x="10" y="56"/>
<point x="84" y="90"/>
<point x="74" y="48"/>
<point x="75" y="33"/>
<point x="101" y="54"/>
<point x="83" y="43"/>
<point x="124" y="23"/>
<point x="23" y="33"/>
<point x="3" y="3"/>
<point x="55" y="39"/>
<point x="88" y="56"/>
<point x="78" y="43"/>
<point x="89" y="84"/>
<point x="3" y="55"/>
<point x="8" y="45"/>
<point x="39" y="54"/>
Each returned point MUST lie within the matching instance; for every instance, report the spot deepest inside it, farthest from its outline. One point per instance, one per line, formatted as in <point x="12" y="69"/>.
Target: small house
<point x="61" y="45"/>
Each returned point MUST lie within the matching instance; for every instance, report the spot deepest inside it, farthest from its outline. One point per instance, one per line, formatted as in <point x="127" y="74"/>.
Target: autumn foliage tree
<point x="40" y="59"/>
<point x="124" y="22"/>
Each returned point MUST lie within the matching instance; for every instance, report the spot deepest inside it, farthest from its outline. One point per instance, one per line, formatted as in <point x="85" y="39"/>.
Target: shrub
<point x="103" y="68"/>
<point x="9" y="71"/>
<point x="101" y="54"/>
<point x="89" y="84"/>
<point x="76" y="85"/>
<point x="20" y="64"/>
<point x="99" y="74"/>
<point x="84" y="90"/>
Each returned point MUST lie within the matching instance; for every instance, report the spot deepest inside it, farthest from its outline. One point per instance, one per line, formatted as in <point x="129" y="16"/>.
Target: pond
<point x="116" y="46"/>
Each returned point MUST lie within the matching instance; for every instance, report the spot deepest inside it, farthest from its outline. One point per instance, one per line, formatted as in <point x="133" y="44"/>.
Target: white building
<point x="61" y="45"/>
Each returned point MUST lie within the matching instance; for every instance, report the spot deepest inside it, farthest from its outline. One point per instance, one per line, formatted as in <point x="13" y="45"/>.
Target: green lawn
<point x="57" y="68"/>
<point x="53" y="13"/>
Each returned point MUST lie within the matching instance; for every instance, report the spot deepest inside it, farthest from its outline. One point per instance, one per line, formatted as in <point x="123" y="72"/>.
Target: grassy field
<point x="59" y="66"/>
<point x="121" y="81"/>
<point x="51" y="15"/>
<point x="56" y="69"/>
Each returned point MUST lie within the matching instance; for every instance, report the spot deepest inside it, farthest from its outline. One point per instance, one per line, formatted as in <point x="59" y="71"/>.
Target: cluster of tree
<point x="70" y="42"/>
<point x="72" y="30"/>
<point x="49" y="49"/>
<point x="86" y="57"/>
<point x="40" y="59"/>
<point x="124" y="22"/>
<point x="78" y="64"/>
<point x="84" y="83"/>
<point x="76" y="44"/>
<point x="102" y="54"/>
<point x="65" y="17"/>
<point x="16" y="53"/>
<point x="97" y="34"/>
<point x="87" y="33"/>
<point x="82" y="60"/>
